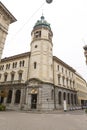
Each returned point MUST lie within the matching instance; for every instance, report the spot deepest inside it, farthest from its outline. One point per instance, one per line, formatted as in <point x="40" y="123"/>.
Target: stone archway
<point x="64" y="96"/>
<point x="71" y="98"/>
<point x="60" y="97"/>
<point x="68" y="98"/>
<point x="17" y="96"/>
<point x="9" y="98"/>
<point x="75" y="99"/>
<point x="34" y="98"/>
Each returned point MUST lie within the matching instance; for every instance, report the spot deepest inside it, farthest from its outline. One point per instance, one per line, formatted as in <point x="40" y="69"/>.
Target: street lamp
<point x="85" y="52"/>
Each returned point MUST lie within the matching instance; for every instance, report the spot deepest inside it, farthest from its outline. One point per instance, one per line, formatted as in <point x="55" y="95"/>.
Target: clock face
<point x="49" y="1"/>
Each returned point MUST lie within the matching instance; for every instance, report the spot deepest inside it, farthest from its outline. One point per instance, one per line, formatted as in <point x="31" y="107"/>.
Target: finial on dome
<point x="42" y="23"/>
<point x="42" y="17"/>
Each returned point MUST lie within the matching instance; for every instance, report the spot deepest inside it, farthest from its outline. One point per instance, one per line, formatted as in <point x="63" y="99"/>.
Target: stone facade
<point x="6" y="18"/>
<point x="81" y="90"/>
<point x="37" y="80"/>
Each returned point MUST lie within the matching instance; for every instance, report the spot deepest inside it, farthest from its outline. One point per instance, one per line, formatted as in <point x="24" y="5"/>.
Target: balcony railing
<point x="12" y="82"/>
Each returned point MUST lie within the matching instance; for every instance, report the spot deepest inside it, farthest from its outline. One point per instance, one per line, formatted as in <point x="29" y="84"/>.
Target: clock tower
<point x="41" y="60"/>
<point x="40" y="87"/>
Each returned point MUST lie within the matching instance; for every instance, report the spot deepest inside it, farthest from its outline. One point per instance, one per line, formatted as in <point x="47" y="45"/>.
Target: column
<point x="21" y="99"/>
<point x="13" y="97"/>
<point x="5" y="99"/>
<point x="28" y="98"/>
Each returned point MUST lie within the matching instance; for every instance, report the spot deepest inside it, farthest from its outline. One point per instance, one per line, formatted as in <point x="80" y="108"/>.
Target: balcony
<point x="12" y="82"/>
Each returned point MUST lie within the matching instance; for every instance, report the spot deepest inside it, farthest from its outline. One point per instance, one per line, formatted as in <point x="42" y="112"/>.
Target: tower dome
<point x="42" y="30"/>
<point x="42" y="23"/>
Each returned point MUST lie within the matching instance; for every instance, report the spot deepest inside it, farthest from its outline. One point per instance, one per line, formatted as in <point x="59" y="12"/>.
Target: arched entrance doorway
<point x="60" y="98"/>
<point x="2" y="97"/>
<point x="17" y="96"/>
<point x="34" y="98"/>
<point x="64" y="96"/>
<point x="9" y="96"/>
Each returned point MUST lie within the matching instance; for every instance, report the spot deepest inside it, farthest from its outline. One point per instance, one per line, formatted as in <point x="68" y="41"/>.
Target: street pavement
<point x="72" y="120"/>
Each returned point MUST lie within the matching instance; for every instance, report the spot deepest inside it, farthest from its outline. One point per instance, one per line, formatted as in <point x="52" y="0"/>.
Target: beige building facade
<point x="6" y="18"/>
<point x="81" y="88"/>
<point x="37" y="79"/>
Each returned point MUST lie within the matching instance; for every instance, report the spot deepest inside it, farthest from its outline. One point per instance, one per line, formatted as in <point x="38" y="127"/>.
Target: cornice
<point x="41" y="39"/>
<point x="12" y="18"/>
<point x="15" y="57"/>
<point x="63" y="63"/>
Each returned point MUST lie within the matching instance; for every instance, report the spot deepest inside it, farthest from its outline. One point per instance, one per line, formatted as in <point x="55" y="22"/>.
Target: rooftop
<point x="42" y="23"/>
<point x="12" y="18"/>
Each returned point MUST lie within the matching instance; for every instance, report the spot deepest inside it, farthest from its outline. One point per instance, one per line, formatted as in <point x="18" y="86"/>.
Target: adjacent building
<point x="6" y="18"/>
<point x="37" y="79"/>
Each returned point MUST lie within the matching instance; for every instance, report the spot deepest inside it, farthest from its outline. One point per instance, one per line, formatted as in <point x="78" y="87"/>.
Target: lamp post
<point x="85" y="52"/>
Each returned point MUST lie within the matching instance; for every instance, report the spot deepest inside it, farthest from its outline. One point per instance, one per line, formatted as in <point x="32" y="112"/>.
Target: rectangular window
<point x="12" y="77"/>
<point x="67" y="82"/>
<point x="5" y="78"/>
<point x="58" y="79"/>
<point x="37" y="34"/>
<point x="35" y="65"/>
<point x="14" y="64"/>
<point x="1" y="67"/>
<point x="63" y="79"/>
<point x="66" y="72"/>
<point x="21" y="64"/>
<point x="62" y="69"/>
<point x="7" y="66"/>
<point x="20" y="76"/>
<point x="0" y="76"/>
<point x="69" y="73"/>
<point x="58" y="67"/>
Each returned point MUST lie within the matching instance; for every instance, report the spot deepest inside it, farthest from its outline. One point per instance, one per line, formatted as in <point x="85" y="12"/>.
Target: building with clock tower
<point x="37" y="80"/>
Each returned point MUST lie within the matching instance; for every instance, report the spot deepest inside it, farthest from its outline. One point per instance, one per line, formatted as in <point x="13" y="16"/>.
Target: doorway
<point x="1" y="100"/>
<point x="33" y="101"/>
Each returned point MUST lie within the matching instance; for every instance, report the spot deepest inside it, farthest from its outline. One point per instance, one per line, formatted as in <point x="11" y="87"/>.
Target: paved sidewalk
<point x="73" y="120"/>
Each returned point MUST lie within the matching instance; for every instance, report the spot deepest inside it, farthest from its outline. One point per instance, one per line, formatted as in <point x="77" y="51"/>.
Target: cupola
<point x="42" y="30"/>
<point x="42" y="23"/>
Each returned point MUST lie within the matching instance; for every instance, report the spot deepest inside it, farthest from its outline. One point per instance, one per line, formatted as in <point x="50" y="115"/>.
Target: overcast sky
<point x="68" y="19"/>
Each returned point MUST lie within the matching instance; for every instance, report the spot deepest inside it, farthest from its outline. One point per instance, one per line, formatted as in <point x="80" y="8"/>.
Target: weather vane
<point x="49" y="1"/>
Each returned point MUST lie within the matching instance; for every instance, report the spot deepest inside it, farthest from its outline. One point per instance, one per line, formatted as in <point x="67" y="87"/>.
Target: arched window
<point x="67" y="82"/>
<point x="63" y="80"/>
<point x="58" y="79"/>
<point x="52" y="94"/>
<point x="2" y="98"/>
<point x="37" y="34"/>
<point x="20" y="64"/>
<point x="72" y="98"/>
<point x="59" y="97"/>
<point x="5" y="76"/>
<point x="23" y="62"/>
<point x="75" y="101"/>
<point x="9" y="96"/>
<point x="64" y="96"/>
<point x="13" y="65"/>
<point x="17" y="96"/>
<point x="68" y="97"/>
<point x="0" y="76"/>
<point x="12" y="76"/>
<point x="35" y="65"/>
<point x="20" y="76"/>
